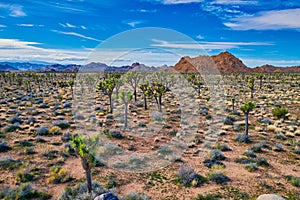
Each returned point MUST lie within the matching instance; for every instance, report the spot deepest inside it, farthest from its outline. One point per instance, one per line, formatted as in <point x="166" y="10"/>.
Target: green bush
<point x="23" y="192"/>
<point x="137" y="196"/>
<point x="58" y="175"/>
<point x="217" y="175"/>
<point x="251" y="167"/>
<point x="279" y="112"/>
<point x="295" y="181"/>
<point x="208" y="197"/>
<point x="24" y="177"/>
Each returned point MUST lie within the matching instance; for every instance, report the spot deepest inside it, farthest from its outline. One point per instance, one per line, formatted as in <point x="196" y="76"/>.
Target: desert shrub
<point x="142" y="124"/>
<point x="257" y="148"/>
<point x="115" y="134"/>
<point x="251" y="167"/>
<point x="244" y="160"/>
<point x="279" y="112"/>
<point x="9" y="164"/>
<point x="278" y="147"/>
<point x="209" y="163"/>
<point x="112" y="183"/>
<point x="30" y="120"/>
<point x="295" y="181"/>
<point x="156" y="116"/>
<point x="137" y="196"/>
<point x="42" y="130"/>
<point x="23" y="192"/>
<point x="208" y="197"/>
<point x="217" y="175"/>
<point x="29" y="150"/>
<point x="58" y="175"/>
<point x="55" y="130"/>
<point x="80" y="192"/>
<point x="39" y="138"/>
<point x="280" y="136"/>
<point x="216" y="154"/>
<point x="50" y="154"/>
<point x="222" y="147"/>
<point x="297" y="150"/>
<point x="66" y="137"/>
<point x="15" y="119"/>
<point x="228" y="120"/>
<point x="4" y="146"/>
<point x="63" y="124"/>
<point x="241" y="137"/>
<point x="250" y="154"/>
<point x="188" y="177"/>
<point x="10" y="128"/>
<point x="262" y="162"/>
<point x="23" y="177"/>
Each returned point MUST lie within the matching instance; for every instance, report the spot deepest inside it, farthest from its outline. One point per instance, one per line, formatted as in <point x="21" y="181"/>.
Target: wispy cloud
<point x="207" y="45"/>
<point x="143" y="10"/>
<point x="16" y="50"/>
<point x="270" y="20"/>
<point x="14" y="10"/>
<point x="2" y="26"/>
<point x="67" y="25"/>
<point x="235" y="2"/>
<point x="260" y="62"/>
<point x="30" y="25"/>
<point x="77" y="35"/>
<point x="134" y="23"/>
<point x="167" y="2"/>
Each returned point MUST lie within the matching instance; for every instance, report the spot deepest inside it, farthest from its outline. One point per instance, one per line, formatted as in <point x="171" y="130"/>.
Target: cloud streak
<point x="207" y="45"/>
<point x="77" y="35"/>
<point x="14" y="10"/>
<point x="270" y="20"/>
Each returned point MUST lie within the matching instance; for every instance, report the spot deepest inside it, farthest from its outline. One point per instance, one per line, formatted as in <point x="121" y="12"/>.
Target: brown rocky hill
<point x="271" y="69"/>
<point x="225" y="62"/>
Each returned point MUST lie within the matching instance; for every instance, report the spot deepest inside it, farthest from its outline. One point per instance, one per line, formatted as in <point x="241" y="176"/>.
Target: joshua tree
<point x="133" y="78"/>
<point x="107" y="87"/>
<point x="246" y="108"/>
<point x="260" y="77"/>
<point x="144" y="87"/>
<point x="232" y="102"/>
<point x="157" y="91"/>
<point x="251" y="86"/>
<point x="71" y="84"/>
<point x="126" y="97"/>
<point x="194" y="79"/>
<point x="84" y="151"/>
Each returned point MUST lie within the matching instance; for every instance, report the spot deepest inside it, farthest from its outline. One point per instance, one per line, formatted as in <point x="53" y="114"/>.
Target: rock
<point x="66" y="105"/>
<point x="271" y="128"/>
<point x="270" y="197"/>
<point x="106" y="196"/>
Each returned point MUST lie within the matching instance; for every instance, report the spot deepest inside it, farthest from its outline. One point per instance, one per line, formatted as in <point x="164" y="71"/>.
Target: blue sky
<point x="67" y="31"/>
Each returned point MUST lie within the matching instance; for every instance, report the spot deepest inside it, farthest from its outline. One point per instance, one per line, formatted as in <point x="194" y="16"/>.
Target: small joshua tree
<point x="157" y="91"/>
<point x="84" y="151"/>
<point x="246" y="108"/>
<point x="126" y="97"/>
<point x="71" y="84"/>
<point x="260" y="77"/>
<point x="107" y="87"/>
<point x="133" y="78"/>
<point x="233" y="102"/>
<point x="144" y="87"/>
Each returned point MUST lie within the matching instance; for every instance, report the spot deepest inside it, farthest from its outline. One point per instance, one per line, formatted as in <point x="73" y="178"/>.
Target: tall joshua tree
<point x="126" y="97"/>
<point x="246" y="108"/>
<point x="251" y="85"/>
<point x="157" y="91"/>
<point x="133" y="78"/>
<point x="107" y="87"/>
<point x="260" y="77"/>
<point x="144" y="87"/>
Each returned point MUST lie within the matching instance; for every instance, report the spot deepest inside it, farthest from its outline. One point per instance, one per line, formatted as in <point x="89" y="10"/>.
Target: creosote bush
<point x="279" y="112"/>
<point x="58" y="175"/>
<point x="188" y="177"/>
<point x="217" y="175"/>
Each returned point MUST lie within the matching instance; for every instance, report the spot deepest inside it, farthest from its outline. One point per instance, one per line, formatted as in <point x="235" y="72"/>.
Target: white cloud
<point x="235" y="2"/>
<point x="180" y="1"/>
<point x="16" y="50"/>
<point x="77" y="35"/>
<point x="2" y="26"/>
<point x="280" y="63"/>
<point x="83" y="27"/>
<point x="67" y="25"/>
<point x="270" y="20"/>
<point x="207" y="45"/>
<point x="30" y="25"/>
<point x="134" y="23"/>
<point x="200" y="37"/>
<point x="14" y="10"/>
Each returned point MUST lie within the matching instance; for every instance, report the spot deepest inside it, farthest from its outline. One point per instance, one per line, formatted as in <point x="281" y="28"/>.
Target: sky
<point x="154" y="32"/>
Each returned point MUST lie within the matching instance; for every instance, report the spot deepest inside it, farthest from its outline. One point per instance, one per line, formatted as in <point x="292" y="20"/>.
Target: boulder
<point x="270" y="197"/>
<point x="106" y="196"/>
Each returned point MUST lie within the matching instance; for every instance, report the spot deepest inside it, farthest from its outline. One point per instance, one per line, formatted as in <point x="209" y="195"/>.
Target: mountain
<point x="225" y="62"/>
<point x="271" y="69"/>
<point x="24" y="66"/>
<point x="6" y="67"/>
<point x="59" y="68"/>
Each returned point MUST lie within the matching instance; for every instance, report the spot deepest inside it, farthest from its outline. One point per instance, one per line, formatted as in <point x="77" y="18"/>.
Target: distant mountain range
<point x="224" y="62"/>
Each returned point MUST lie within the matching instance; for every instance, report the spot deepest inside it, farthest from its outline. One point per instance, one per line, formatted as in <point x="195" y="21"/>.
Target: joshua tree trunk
<point x="246" y="124"/>
<point x="232" y="106"/>
<point x="260" y="83"/>
<point x="126" y="115"/>
<point x="86" y="166"/>
<point x="145" y="102"/>
<point x="111" y="104"/>
<point x="134" y="94"/>
<point x="252" y="94"/>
